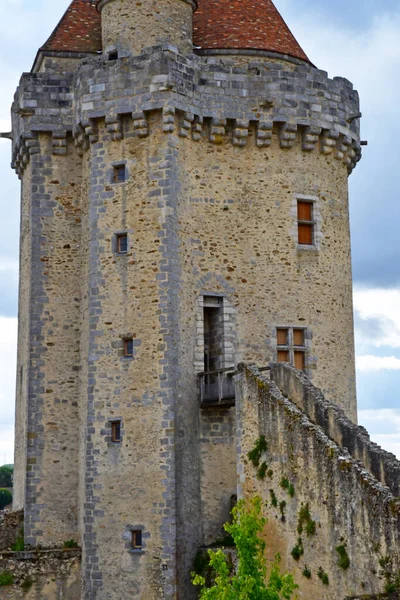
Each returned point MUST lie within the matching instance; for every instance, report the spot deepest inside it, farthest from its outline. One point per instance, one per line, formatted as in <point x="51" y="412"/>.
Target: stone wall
<point x="41" y="575"/>
<point x="320" y="501"/>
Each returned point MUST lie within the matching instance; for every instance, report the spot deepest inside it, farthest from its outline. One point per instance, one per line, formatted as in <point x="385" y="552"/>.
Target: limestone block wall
<point x="318" y="498"/>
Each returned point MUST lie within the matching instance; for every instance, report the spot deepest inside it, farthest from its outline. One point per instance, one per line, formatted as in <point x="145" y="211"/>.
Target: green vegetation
<point x="274" y="499"/>
<point x="392" y="584"/>
<point x="262" y="471"/>
<point x="298" y="550"/>
<point x="70" y="544"/>
<point x="306" y="572"/>
<point x="323" y="576"/>
<point x="5" y="498"/>
<point x="344" y="560"/>
<point x="19" y="545"/>
<point x="6" y="578"/>
<point x="226" y="541"/>
<point x="255" y="455"/>
<point x="6" y="473"/>
<point x="250" y="580"/>
<point x="27" y="584"/>
<point x="286" y="485"/>
<point x="305" y="521"/>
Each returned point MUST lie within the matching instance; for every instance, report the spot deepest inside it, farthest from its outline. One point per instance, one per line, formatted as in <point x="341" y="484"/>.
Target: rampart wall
<point x="327" y="513"/>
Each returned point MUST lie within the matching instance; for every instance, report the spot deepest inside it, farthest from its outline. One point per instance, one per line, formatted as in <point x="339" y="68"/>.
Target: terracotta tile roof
<point x="243" y="24"/>
<point x="78" y="31"/>
<point x="218" y="24"/>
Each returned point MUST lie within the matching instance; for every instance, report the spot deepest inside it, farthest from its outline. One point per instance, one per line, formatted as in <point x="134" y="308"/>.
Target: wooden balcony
<point x="217" y="388"/>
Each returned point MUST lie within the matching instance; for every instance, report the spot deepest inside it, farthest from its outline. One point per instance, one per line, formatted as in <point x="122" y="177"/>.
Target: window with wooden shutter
<point x="116" y="431"/>
<point x="305" y="222"/>
<point x="120" y="174"/>
<point x="291" y="346"/>
<point x="122" y="243"/>
<point x="128" y="347"/>
<point x="136" y="539"/>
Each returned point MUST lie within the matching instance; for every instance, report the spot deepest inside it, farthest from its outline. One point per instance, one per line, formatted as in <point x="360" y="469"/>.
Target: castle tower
<point x="183" y="210"/>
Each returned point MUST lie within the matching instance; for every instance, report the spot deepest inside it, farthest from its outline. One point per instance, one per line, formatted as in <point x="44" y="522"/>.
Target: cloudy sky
<point x="357" y="39"/>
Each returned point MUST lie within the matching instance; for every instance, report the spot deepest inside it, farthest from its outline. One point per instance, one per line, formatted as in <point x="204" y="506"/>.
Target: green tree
<point x="250" y="580"/>
<point x="6" y="476"/>
<point x="5" y="498"/>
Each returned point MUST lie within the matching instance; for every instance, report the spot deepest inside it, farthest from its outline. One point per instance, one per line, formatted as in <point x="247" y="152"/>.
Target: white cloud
<point x="377" y="363"/>
<point x="383" y="305"/>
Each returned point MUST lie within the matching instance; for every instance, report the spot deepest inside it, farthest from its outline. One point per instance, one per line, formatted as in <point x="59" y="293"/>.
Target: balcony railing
<point x="217" y="388"/>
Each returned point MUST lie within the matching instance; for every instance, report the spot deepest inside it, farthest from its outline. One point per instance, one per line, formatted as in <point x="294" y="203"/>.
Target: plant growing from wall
<point x="274" y="499"/>
<point x="6" y="578"/>
<point x="255" y="455"/>
<point x="249" y="582"/>
<point x="323" y="576"/>
<point x="344" y="559"/>
<point x="286" y="485"/>
<point x="298" y="550"/>
<point x="70" y="544"/>
<point x="306" y="572"/>
<point x="19" y="545"/>
<point x="305" y="522"/>
<point x="262" y="471"/>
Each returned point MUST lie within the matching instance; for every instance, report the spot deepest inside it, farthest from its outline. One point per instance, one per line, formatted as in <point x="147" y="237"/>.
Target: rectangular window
<point x="291" y="346"/>
<point x="305" y="222"/>
<point x="122" y="243"/>
<point x="136" y="540"/>
<point x="116" y="431"/>
<point x="119" y="173"/>
<point x="128" y="347"/>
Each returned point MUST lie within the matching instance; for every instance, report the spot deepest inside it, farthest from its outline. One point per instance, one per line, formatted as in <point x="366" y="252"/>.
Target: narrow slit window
<point x="122" y="243"/>
<point x="305" y="222"/>
<point x="291" y="346"/>
<point x="116" y="431"/>
<point x="128" y="347"/>
<point x="136" y="540"/>
<point x="119" y="174"/>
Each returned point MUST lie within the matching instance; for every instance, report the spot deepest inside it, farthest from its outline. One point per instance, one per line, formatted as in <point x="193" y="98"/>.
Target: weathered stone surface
<point x="346" y="506"/>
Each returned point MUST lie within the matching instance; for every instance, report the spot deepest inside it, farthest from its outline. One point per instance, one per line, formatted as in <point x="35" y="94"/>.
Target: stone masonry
<point x="198" y="158"/>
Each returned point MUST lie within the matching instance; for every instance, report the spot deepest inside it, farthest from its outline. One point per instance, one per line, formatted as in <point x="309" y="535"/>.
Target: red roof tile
<point x="243" y="24"/>
<point x="218" y="24"/>
<point x="78" y="31"/>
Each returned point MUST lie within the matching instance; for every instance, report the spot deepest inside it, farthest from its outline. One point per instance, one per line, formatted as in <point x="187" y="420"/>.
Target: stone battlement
<point x="198" y="97"/>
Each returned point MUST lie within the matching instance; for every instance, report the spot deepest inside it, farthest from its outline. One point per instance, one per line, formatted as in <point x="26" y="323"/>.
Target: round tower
<point x="128" y="27"/>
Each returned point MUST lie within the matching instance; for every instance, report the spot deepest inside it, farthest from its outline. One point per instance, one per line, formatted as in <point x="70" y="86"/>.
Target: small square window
<point x="122" y="243"/>
<point x="116" y="431"/>
<point x="291" y="347"/>
<point x="305" y="222"/>
<point x="119" y="174"/>
<point x="113" y="55"/>
<point x="128" y="347"/>
<point x="136" y="540"/>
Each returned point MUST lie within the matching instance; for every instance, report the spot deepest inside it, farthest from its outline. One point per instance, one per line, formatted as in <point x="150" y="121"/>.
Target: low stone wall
<point x="41" y="575"/>
<point x="10" y="524"/>
<point x="295" y="386"/>
<point x="336" y="527"/>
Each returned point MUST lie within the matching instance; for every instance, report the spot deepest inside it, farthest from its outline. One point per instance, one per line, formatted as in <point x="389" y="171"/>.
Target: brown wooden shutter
<point x="299" y="360"/>
<point x="304" y="211"/>
<point x="298" y="337"/>
<point x="283" y="356"/>
<point x="282" y="337"/>
<point x="305" y="234"/>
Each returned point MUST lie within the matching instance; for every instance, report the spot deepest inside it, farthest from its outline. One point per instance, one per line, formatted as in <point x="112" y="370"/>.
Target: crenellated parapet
<point x="197" y="98"/>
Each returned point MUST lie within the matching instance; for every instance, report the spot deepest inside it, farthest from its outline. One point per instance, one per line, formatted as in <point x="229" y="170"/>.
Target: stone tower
<point x="184" y="178"/>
